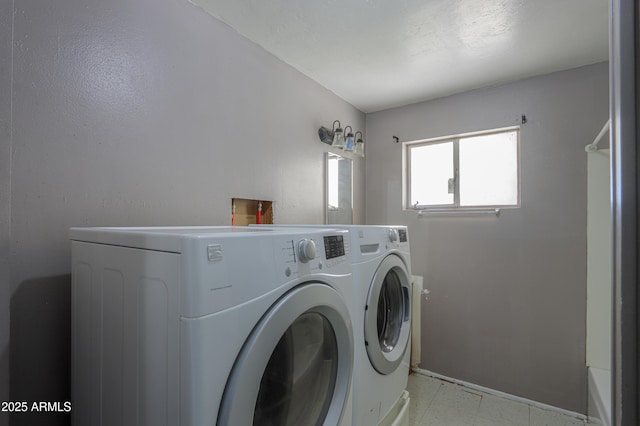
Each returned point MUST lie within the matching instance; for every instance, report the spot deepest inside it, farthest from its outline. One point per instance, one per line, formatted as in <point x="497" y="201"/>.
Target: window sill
<point x="459" y="212"/>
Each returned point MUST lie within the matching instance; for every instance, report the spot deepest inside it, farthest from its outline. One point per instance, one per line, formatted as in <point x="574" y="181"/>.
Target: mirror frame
<point x="343" y="215"/>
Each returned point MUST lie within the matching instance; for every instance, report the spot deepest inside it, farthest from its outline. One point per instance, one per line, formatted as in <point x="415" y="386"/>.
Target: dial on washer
<point x="306" y="250"/>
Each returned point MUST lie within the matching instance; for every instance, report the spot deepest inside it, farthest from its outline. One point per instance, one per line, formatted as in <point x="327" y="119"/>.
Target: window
<point x="467" y="171"/>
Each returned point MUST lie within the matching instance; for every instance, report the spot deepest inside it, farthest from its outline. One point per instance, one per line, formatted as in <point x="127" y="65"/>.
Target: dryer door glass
<point x="391" y="311"/>
<point x="387" y="315"/>
<point x="298" y="383"/>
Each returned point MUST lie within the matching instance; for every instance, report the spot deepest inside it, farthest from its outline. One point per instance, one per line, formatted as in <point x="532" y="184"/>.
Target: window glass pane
<point x="431" y="169"/>
<point x="488" y="172"/>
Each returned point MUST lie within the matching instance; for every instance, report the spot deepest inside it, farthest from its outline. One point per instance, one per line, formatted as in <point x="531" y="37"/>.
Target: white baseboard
<point x="500" y="394"/>
<point x="599" y="407"/>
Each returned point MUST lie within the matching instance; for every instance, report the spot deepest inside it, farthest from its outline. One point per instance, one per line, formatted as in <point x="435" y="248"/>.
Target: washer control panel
<point x="314" y="253"/>
<point x="334" y="246"/>
<point x="336" y="249"/>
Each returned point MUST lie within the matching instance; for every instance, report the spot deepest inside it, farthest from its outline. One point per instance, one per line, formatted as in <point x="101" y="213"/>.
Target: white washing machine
<point x="211" y="326"/>
<point x="381" y="315"/>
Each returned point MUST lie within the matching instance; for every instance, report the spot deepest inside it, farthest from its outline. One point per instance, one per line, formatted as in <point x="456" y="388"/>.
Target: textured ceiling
<point x="378" y="54"/>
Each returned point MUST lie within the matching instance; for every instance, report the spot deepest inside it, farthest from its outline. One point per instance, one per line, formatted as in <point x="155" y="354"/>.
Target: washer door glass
<point x="295" y="367"/>
<point x="391" y="312"/>
<point x="298" y="383"/>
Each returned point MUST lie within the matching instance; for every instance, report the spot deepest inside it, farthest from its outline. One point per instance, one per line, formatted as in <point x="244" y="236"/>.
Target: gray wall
<point x="507" y="302"/>
<point x="6" y="19"/>
<point x="139" y="112"/>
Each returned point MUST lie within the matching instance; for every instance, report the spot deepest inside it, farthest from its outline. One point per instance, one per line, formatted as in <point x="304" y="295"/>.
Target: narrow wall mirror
<point x="338" y="189"/>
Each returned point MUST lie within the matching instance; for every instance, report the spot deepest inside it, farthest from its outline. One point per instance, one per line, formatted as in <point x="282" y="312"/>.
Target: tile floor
<point x="438" y="403"/>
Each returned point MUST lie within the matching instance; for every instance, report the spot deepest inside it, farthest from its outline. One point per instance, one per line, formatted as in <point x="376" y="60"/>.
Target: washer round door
<point x="387" y="315"/>
<point x="296" y="366"/>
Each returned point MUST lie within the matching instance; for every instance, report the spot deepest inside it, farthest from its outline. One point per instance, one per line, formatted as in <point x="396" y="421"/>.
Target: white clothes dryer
<point x="381" y="315"/>
<point x="382" y="266"/>
<point x="211" y="326"/>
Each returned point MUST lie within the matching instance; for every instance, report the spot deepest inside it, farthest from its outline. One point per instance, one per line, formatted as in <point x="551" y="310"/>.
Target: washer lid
<point x="387" y="315"/>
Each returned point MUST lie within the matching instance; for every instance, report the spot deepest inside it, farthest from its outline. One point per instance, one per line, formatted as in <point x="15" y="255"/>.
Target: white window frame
<point x="455" y="206"/>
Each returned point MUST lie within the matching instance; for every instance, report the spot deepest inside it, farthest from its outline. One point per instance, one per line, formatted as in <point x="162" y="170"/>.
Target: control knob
<point x="393" y="235"/>
<point x="306" y="250"/>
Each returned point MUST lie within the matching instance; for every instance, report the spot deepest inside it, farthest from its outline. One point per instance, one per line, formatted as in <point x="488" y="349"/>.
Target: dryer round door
<point x="296" y="366"/>
<point x="387" y="315"/>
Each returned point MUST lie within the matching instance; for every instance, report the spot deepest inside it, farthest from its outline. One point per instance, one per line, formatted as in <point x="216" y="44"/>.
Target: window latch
<point x="451" y="185"/>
